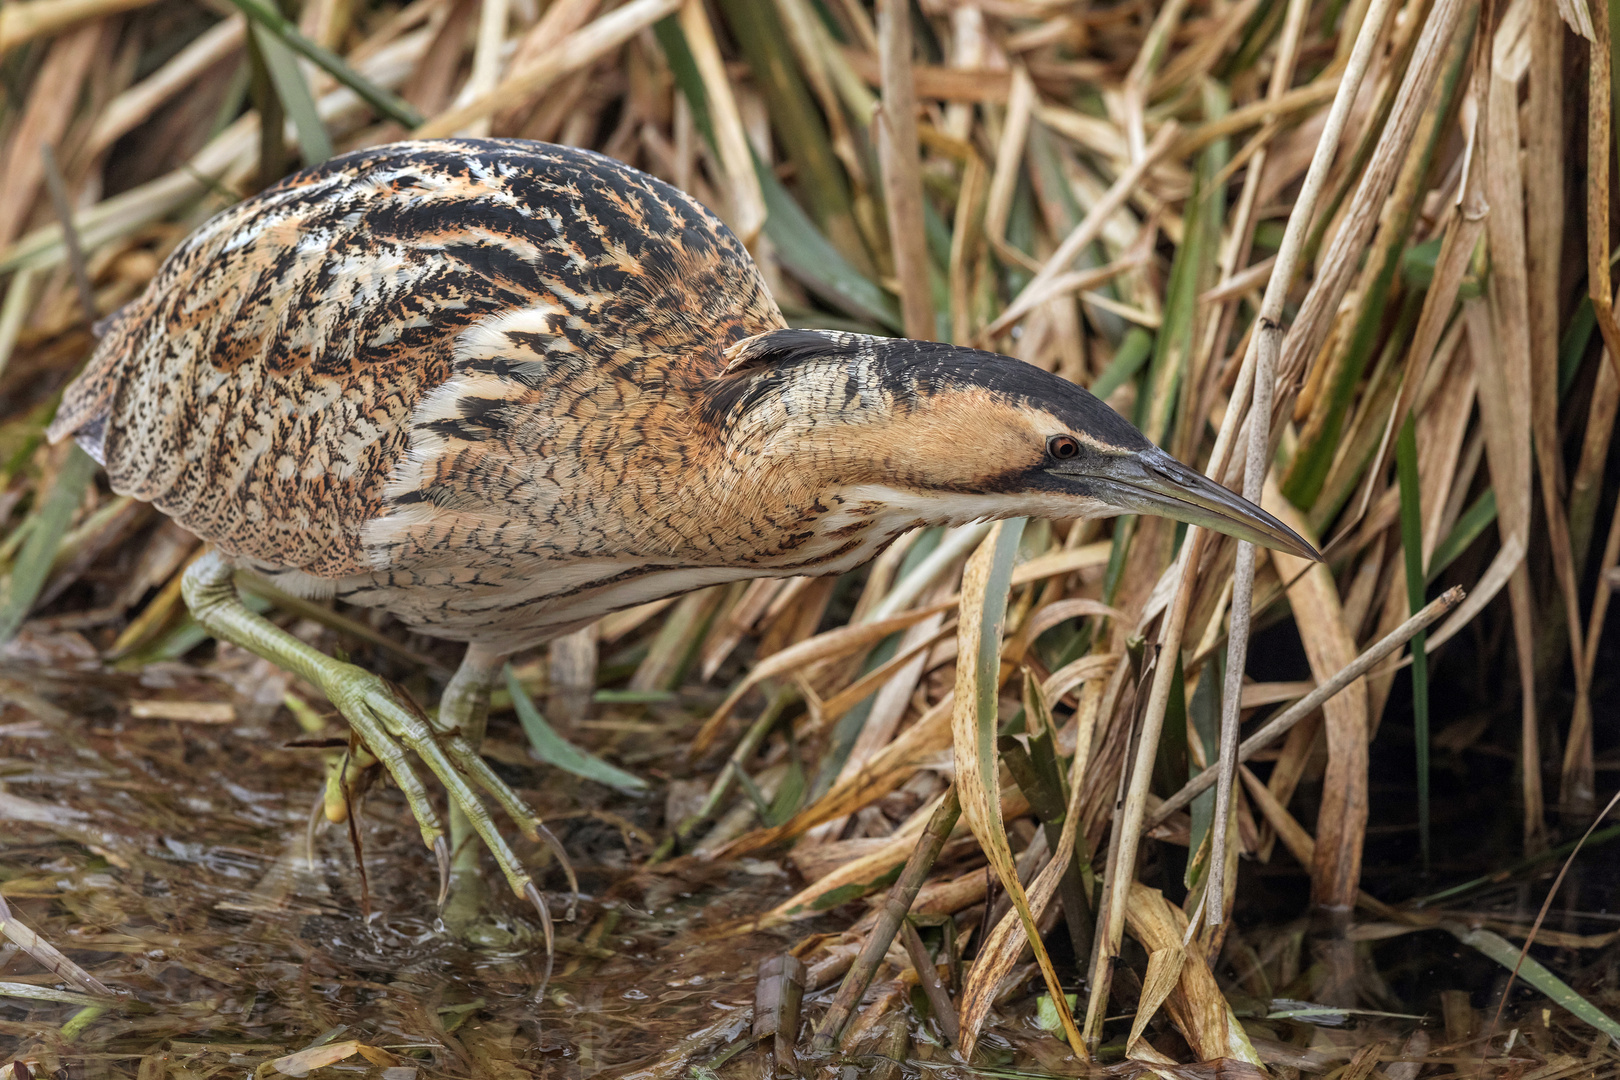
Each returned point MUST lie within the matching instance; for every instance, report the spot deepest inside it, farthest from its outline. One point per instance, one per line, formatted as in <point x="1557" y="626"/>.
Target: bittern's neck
<point x="814" y="482"/>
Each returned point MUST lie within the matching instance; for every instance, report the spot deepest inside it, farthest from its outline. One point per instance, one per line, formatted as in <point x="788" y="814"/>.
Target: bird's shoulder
<point x="269" y="383"/>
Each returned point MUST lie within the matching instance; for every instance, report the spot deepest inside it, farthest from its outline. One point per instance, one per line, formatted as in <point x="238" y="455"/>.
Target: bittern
<point x="500" y="388"/>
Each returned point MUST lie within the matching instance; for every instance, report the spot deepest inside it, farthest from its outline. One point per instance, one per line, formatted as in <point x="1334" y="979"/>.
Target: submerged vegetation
<point x="1380" y="228"/>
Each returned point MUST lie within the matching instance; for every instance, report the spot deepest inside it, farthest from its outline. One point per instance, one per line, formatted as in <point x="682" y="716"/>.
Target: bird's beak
<point x="1152" y="482"/>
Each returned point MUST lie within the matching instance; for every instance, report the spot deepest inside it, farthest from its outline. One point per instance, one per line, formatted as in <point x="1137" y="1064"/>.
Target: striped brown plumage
<point x="390" y="374"/>
<point x="501" y="388"/>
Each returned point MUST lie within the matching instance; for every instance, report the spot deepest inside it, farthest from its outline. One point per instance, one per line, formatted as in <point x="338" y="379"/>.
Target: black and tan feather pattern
<point x="323" y="379"/>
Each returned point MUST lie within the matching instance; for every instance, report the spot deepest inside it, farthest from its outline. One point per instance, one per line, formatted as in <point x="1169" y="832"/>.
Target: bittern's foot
<point x="387" y="724"/>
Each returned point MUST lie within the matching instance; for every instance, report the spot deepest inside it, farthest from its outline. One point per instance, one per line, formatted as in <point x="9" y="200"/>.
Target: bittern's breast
<point x="427" y="367"/>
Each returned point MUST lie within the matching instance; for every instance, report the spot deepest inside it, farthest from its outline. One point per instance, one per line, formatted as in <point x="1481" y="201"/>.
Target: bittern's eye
<point x="1063" y="447"/>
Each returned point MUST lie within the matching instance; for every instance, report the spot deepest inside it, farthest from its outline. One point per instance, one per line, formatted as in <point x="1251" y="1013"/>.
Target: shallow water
<point x="169" y="860"/>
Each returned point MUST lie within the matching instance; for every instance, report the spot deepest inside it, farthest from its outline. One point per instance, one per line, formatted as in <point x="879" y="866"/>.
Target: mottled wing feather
<point x="339" y="349"/>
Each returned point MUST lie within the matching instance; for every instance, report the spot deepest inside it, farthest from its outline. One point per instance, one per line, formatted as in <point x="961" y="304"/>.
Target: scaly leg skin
<point x="383" y="719"/>
<point x="464" y="710"/>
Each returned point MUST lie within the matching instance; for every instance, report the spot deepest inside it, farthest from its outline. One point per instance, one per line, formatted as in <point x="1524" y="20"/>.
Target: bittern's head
<point x="952" y="435"/>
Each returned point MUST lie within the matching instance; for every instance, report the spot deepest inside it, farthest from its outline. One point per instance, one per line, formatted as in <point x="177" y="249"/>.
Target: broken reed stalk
<point x="1308" y="704"/>
<point x="777" y="995"/>
<point x="895" y="908"/>
<point x="939" y="998"/>
<point x="1264" y="347"/>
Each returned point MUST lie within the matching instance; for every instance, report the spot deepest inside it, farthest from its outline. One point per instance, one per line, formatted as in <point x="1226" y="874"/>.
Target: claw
<point x="441" y="852"/>
<point x="568" y="869"/>
<point x="534" y="897"/>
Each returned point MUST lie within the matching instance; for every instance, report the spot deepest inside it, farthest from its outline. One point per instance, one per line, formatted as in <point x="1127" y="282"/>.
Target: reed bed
<point x="1351" y="257"/>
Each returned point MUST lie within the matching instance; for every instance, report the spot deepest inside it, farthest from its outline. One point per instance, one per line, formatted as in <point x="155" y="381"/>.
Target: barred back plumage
<point x="347" y="379"/>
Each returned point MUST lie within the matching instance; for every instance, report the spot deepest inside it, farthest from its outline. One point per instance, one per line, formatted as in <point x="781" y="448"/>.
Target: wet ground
<point x="171" y="859"/>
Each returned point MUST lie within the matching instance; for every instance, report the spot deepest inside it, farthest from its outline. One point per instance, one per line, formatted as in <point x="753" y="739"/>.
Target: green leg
<point x="386" y="721"/>
<point x="464" y="708"/>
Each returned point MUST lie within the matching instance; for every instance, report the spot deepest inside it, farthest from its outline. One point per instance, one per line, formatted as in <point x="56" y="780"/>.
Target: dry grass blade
<point x="25" y="20"/>
<point x="1003" y="947"/>
<point x="886" y="771"/>
<point x="747" y="200"/>
<point x="973" y="728"/>
<point x="47" y="955"/>
<point x="1084" y="233"/>
<point x="1196" y="1004"/>
<point x="44" y="119"/>
<point x="829" y="646"/>
<point x="1163" y="972"/>
<point x="1005" y="943"/>
<point x="857" y="877"/>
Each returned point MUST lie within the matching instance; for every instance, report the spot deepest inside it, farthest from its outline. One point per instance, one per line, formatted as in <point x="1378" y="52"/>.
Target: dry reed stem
<point x="1264" y="377"/>
<point x="896" y="137"/>
<point x="1599" y="122"/>
<point x="486" y="62"/>
<point x="1143" y="67"/>
<point x="578" y="50"/>
<point x="1089" y="228"/>
<point x="25" y="20"/>
<point x="1311" y="325"/>
<point x="131" y="108"/>
<point x="1021" y="102"/>
<point x="1510" y="303"/>
<point x="44" y="120"/>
